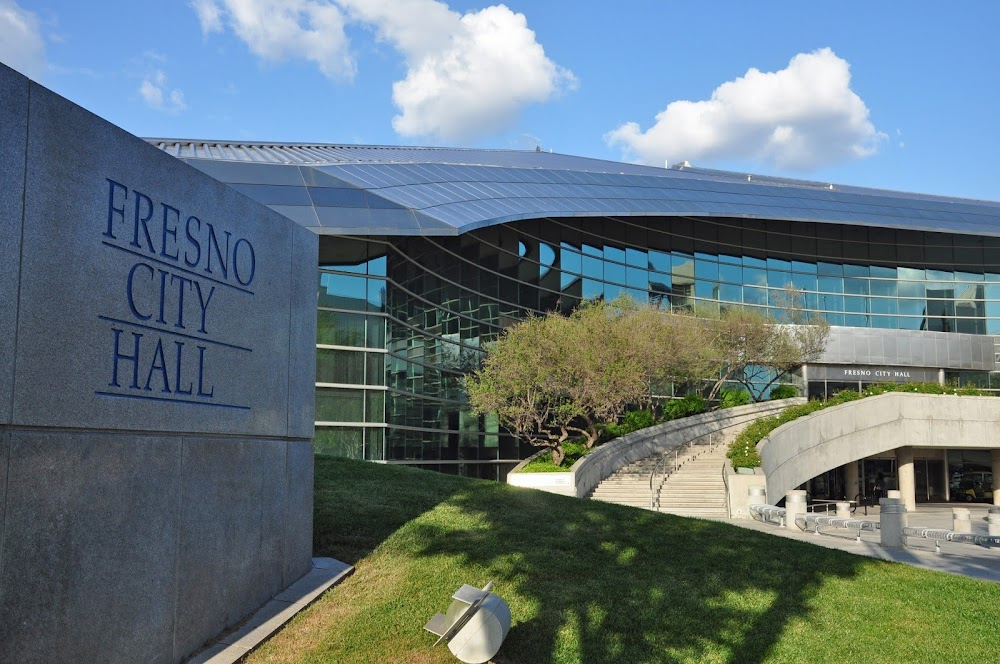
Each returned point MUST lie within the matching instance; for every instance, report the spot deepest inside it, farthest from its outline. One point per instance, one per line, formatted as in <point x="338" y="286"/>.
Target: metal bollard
<point x="795" y="504"/>
<point x="961" y="520"/>
<point x="892" y="521"/>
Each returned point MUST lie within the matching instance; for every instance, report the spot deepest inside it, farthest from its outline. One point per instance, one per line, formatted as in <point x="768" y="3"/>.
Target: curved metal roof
<point x="388" y="190"/>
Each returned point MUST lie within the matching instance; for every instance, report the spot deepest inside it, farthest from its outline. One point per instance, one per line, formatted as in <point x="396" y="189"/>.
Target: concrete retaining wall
<point x="157" y="372"/>
<point x="809" y="446"/>
<point x="602" y="462"/>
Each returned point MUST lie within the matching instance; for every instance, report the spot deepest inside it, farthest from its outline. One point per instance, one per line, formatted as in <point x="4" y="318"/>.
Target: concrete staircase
<point x="694" y="488"/>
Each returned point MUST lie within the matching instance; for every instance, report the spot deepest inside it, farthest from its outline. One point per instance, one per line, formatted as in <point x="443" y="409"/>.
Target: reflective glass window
<point x="340" y="329"/>
<point x="705" y="269"/>
<point x="833" y="303"/>
<point x="754" y="276"/>
<point x="342" y="291"/>
<point x="909" y="273"/>
<point x="339" y="405"/>
<point x="883" y="287"/>
<point x="340" y="366"/>
<point x="659" y="261"/>
<point x="731" y="273"/>
<point x="637" y="278"/>
<point x="340" y="441"/>
<point x="615" y="273"/>
<point x="569" y="261"/>
<point x="730" y="292"/>
<point x="778" y="279"/>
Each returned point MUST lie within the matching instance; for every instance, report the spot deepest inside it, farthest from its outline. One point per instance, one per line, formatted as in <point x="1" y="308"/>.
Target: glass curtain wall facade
<point x="401" y="319"/>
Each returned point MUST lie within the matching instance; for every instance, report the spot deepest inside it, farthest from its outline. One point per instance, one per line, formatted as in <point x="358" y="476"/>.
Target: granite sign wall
<point x="156" y="393"/>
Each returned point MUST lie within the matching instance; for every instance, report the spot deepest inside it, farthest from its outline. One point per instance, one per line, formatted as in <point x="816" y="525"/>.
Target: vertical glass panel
<point x="377" y="267"/>
<point x="375" y="406"/>
<point x="732" y="274"/>
<point x="376" y="332"/>
<point x="636" y="257"/>
<point x="569" y="261"/>
<point x="592" y="288"/>
<point x="376" y="295"/>
<point x="340" y="329"/>
<point x="754" y="276"/>
<point x="830" y="303"/>
<point x="910" y="273"/>
<point x="341" y="291"/>
<point x="614" y="254"/>
<point x="615" y="273"/>
<point x="375" y="369"/>
<point x="337" y="405"/>
<point x="375" y="444"/>
<point x="730" y="293"/>
<point x="776" y="279"/>
<point x="637" y="278"/>
<point x="593" y="267"/>
<point x="883" y="287"/>
<point x="830" y="284"/>
<point x="707" y="270"/>
<point x="340" y="441"/>
<point x="856" y="286"/>
<point x="830" y="268"/>
<point x="659" y="262"/>
<point x="340" y="366"/>
<point x="855" y="270"/>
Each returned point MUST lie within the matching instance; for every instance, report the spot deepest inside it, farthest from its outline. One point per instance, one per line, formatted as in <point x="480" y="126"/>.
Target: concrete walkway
<point x="966" y="559"/>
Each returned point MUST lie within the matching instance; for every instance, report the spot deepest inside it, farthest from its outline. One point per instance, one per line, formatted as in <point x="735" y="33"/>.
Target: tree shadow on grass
<point x="593" y="582"/>
<point x="350" y="519"/>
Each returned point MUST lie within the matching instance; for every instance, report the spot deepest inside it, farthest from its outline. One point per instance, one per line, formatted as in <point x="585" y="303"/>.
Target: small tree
<point x="758" y="351"/>
<point x="553" y="377"/>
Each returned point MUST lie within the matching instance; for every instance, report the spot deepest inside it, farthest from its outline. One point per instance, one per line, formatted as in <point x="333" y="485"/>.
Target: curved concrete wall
<point x="809" y="446"/>
<point x="599" y="464"/>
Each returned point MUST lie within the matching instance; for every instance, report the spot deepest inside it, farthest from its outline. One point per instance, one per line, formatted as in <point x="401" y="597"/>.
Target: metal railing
<point x="715" y="438"/>
<point x="807" y="521"/>
<point x="939" y="535"/>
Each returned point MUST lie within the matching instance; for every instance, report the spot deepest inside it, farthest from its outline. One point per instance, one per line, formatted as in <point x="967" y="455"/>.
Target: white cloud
<point x="209" y="15"/>
<point x="466" y="74"/>
<point x="277" y="30"/>
<point x="156" y="95"/>
<point x="21" y="44"/>
<point x="799" y="118"/>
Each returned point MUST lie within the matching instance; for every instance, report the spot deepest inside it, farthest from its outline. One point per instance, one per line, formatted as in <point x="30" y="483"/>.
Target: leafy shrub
<point x="783" y="392"/>
<point x="692" y="404"/>
<point x="730" y="398"/>
<point x="575" y="450"/>
<point x="632" y="421"/>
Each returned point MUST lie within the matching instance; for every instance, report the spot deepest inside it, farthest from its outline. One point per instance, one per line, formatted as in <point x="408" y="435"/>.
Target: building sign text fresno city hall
<point x="166" y="344"/>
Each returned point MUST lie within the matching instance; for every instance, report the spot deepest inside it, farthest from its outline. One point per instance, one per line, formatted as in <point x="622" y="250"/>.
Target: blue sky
<point x="888" y="94"/>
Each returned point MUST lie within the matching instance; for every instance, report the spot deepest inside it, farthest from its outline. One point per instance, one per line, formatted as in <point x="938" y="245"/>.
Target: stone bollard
<point x="795" y="504"/>
<point x="843" y="510"/>
<point x="993" y="522"/>
<point x="758" y="495"/>
<point x="961" y="520"/>
<point x="892" y="520"/>
<point x="894" y="493"/>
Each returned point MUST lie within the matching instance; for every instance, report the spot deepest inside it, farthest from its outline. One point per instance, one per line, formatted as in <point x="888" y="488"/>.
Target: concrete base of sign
<point x="237" y="644"/>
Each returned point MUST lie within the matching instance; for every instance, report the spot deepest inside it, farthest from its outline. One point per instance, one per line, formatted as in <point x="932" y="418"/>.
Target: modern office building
<point x="426" y="254"/>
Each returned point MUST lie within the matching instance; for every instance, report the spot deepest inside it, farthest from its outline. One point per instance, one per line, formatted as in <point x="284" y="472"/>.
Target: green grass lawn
<point x="591" y="582"/>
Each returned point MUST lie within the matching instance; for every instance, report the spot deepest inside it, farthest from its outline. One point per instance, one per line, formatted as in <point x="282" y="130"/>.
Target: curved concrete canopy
<point x="806" y="447"/>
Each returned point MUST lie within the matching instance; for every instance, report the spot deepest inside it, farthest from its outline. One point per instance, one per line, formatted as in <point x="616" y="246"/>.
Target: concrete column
<point x="795" y="504"/>
<point x="892" y="520"/>
<point x="906" y="478"/>
<point x="947" y="476"/>
<point x="996" y="477"/>
<point x="853" y="487"/>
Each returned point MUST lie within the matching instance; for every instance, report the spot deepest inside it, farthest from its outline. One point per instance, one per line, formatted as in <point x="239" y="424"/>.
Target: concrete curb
<point x="268" y="619"/>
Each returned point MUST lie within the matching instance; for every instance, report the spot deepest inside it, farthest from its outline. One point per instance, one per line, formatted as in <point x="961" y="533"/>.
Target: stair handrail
<point x="654" y="494"/>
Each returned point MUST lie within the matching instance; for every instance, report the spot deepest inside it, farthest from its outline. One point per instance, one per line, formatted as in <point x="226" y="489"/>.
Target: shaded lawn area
<point x="593" y="582"/>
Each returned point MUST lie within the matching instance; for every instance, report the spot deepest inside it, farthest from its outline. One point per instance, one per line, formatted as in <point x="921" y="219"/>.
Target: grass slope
<point x="592" y="582"/>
